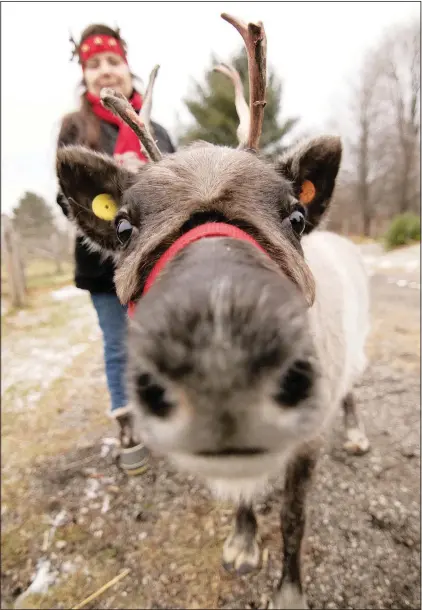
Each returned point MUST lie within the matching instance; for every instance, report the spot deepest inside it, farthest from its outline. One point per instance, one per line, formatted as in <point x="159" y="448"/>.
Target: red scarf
<point x="127" y="140"/>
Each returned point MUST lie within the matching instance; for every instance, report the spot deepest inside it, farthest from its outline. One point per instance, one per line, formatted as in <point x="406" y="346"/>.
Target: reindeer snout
<point x="176" y="417"/>
<point x="218" y="355"/>
<point x="196" y="417"/>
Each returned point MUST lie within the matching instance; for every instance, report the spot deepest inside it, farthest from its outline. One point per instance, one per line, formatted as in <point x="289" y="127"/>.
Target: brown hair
<point x="83" y="126"/>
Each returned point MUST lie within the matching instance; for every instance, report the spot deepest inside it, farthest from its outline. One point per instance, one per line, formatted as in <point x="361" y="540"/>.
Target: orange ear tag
<point x="104" y="207"/>
<point x="307" y="193"/>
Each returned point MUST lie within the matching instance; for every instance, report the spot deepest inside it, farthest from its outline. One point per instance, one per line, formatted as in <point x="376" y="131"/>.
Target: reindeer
<point x="248" y="325"/>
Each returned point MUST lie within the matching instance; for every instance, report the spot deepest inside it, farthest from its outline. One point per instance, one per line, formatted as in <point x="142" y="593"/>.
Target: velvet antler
<point x="253" y="35"/>
<point x="242" y="107"/>
<point x="140" y="124"/>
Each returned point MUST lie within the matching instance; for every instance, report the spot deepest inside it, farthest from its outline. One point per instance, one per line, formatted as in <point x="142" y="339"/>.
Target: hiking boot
<point x="134" y="455"/>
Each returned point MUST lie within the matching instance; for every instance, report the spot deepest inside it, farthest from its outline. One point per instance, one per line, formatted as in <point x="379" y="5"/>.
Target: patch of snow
<point x="401" y="283"/>
<point x="412" y="265"/>
<point x="370" y="259"/>
<point x="106" y="504"/>
<point x="69" y="567"/>
<point x="47" y="364"/>
<point x="65" y="293"/>
<point x="60" y="519"/>
<point x="406" y="259"/>
<point x="107" y="446"/>
<point x="92" y="488"/>
<point x="36" y="357"/>
<point x="41" y="582"/>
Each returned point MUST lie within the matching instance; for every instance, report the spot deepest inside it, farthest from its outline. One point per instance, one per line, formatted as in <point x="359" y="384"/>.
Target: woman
<point x="102" y="56"/>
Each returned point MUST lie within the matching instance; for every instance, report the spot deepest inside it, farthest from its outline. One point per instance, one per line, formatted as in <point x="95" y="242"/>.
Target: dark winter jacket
<point x="92" y="271"/>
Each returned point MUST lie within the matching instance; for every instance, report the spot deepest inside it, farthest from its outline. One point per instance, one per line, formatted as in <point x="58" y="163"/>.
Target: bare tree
<point x="361" y="141"/>
<point x="39" y="235"/>
<point x="381" y="131"/>
<point x="13" y="262"/>
<point x="399" y="55"/>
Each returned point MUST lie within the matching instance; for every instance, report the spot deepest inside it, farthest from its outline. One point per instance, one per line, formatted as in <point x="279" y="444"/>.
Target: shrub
<point x="404" y="229"/>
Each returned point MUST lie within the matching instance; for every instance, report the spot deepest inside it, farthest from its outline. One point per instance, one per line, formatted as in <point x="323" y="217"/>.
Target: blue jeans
<point x="112" y="318"/>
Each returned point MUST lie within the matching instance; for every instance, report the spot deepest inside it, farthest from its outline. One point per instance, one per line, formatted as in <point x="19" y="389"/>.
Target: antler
<point x="140" y="124"/>
<point x="75" y="46"/>
<point x="253" y="35"/>
<point x="242" y="107"/>
<point x="145" y="113"/>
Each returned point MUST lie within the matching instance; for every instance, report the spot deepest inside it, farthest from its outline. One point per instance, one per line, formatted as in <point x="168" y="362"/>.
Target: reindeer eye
<point x="124" y="231"/>
<point x="297" y="220"/>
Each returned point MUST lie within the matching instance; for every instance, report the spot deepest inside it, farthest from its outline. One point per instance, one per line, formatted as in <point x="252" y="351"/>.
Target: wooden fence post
<point x="13" y="263"/>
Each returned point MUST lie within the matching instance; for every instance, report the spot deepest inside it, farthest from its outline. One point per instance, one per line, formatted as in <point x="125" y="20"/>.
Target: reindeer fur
<point x="238" y="359"/>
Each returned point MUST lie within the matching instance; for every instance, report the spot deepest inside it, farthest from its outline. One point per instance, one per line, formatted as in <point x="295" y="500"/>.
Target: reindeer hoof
<point x="357" y="442"/>
<point x="288" y="598"/>
<point x="241" y="553"/>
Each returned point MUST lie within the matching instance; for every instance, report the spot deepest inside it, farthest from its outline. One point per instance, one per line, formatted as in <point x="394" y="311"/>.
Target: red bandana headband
<point x="209" y="229"/>
<point x="100" y="43"/>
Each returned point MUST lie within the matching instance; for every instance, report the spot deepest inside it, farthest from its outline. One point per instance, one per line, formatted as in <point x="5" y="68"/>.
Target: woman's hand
<point x="129" y="161"/>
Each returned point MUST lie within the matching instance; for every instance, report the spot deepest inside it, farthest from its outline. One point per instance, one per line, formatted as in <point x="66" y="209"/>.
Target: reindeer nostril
<point x="228" y="425"/>
<point x="143" y="380"/>
<point x="296" y="384"/>
<point x="152" y="396"/>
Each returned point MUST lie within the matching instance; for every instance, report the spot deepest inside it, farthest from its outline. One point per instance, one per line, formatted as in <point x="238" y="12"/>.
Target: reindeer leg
<point x="289" y="594"/>
<point x="241" y="550"/>
<point x="357" y="442"/>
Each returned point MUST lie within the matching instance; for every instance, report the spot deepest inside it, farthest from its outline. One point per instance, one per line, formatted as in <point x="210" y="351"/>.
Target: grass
<point x="62" y="595"/>
<point x="35" y="485"/>
<point x="362" y="239"/>
<point x="43" y="315"/>
<point x="45" y="423"/>
<point x="30" y="439"/>
<point x="16" y="541"/>
<point x="41" y="275"/>
<point x="69" y="415"/>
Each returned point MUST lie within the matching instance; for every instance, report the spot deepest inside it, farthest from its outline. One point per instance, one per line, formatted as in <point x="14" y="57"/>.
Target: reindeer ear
<point x="312" y="168"/>
<point x="93" y="185"/>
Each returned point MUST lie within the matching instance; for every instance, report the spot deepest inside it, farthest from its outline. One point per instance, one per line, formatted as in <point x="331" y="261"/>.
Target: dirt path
<point x="68" y="512"/>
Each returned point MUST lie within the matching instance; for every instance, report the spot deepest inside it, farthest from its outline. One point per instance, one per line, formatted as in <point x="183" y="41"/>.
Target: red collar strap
<point x="209" y="229"/>
<point x="100" y="43"/>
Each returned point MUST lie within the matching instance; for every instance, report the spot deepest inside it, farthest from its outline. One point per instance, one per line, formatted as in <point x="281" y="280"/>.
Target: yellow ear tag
<point x="104" y="207"/>
<point x="307" y="193"/>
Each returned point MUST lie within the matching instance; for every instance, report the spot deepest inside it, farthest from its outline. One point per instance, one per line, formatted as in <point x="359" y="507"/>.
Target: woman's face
<point x="107" y="70"/>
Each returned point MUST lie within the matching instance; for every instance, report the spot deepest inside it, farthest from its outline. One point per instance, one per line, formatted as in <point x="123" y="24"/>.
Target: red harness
<point x="209" y="229"/>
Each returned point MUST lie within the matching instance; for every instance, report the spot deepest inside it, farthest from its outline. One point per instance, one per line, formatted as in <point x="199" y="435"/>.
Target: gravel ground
<point x="363" y="544"/>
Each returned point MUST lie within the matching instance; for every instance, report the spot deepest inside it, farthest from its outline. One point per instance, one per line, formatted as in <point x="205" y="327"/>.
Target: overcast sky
<point x="315" y="47"/>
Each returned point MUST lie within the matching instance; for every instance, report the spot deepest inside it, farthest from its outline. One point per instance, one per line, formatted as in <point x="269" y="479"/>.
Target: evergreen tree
<point x="214" y="111"/>
<point x="33" y="218"/>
